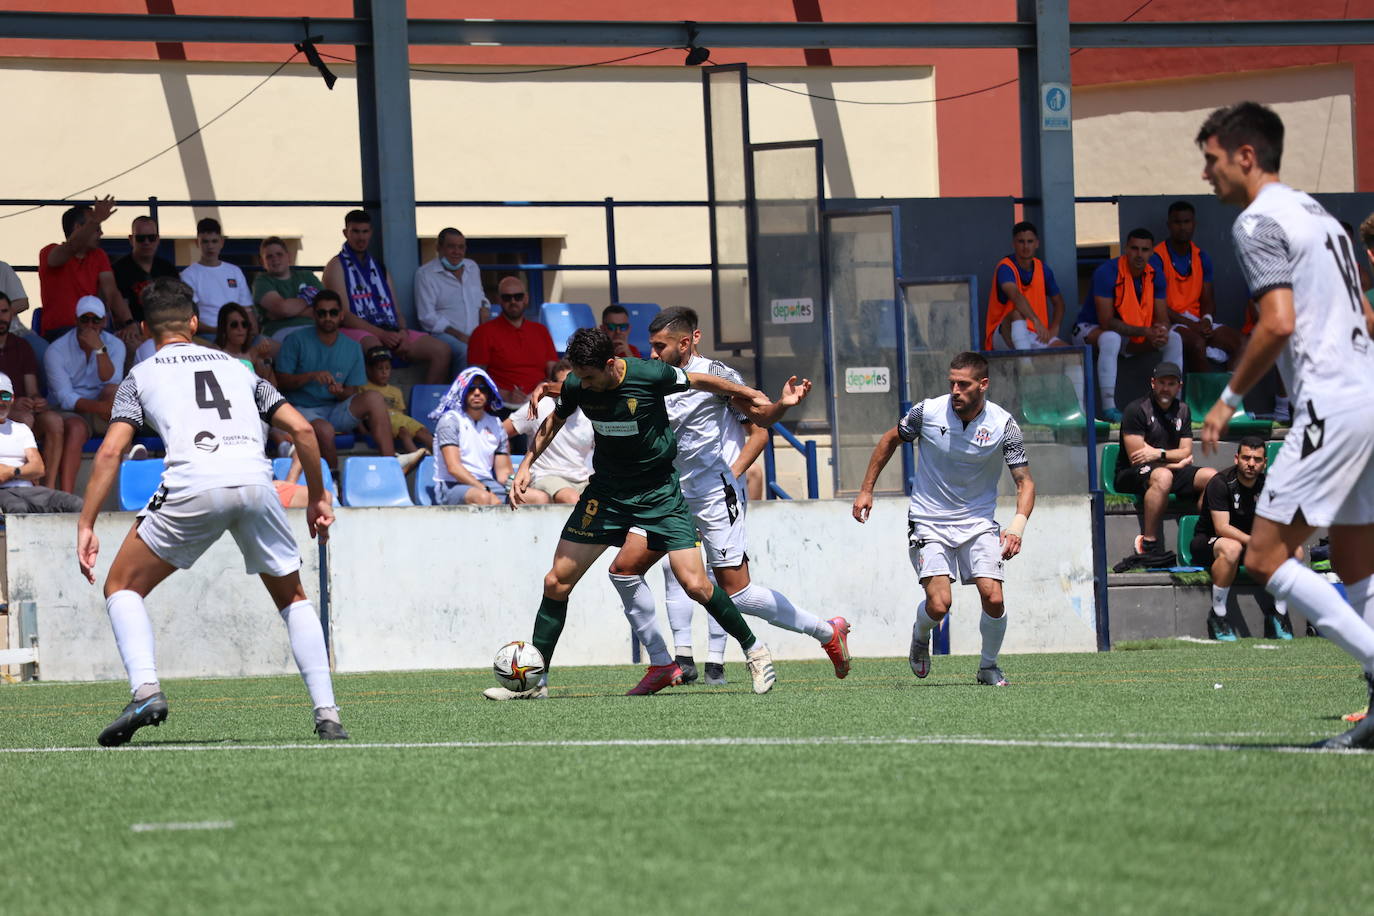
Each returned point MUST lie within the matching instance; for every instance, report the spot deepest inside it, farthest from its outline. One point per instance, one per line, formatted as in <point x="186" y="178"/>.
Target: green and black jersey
<point x="634" y="443"/>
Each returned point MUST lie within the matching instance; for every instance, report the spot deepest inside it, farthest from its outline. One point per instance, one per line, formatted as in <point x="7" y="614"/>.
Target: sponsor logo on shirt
<point x="233" y="283"/>
<point x="206" y="441"/>
<point x="616" y="427"/>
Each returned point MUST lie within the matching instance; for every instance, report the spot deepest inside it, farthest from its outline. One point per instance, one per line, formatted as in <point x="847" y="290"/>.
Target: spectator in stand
<point x="448" y="296"/>
<point x="516" y="351"/>
<point x="283" y="291"/>
<point x="13" y="289"/>
<point x="138" y="268"/>
<point x="21" y="465"/>
<point x="215" y="283"/>
<point x="414" y="440"/>
<point x="562" y="471"/>
<point x="1223" y="533"/>
<point x="1024" y="303"/>
<point x="18" y="363"/>
<point x="234" y="335"/>
<point x="321" y="375"/>
<point x="474" y="466"/>
<point x="371" y="315"/>
<point x="615" y="321"/>
<point x="1156" y="456"/>
<point x="1187" y="272"/>
<point x="84" y="367"/>
<point x="78" y="267"/>
<point x="1127" y="299"/>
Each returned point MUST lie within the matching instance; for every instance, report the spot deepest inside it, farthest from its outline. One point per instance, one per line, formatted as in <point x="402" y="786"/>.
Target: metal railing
<point x="770" y="470"/>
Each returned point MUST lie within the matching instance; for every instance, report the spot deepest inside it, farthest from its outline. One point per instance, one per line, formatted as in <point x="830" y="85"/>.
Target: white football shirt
<point x="1286" y="239"/>
<point x="209" y="410"/>
<point x="701" y="421"/>
<point x="958" y="463"/>
<point x="569" y="455"/>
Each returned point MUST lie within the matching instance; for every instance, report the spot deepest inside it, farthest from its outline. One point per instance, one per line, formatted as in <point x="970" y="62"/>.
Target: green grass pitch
<point x="1111" y="783"/>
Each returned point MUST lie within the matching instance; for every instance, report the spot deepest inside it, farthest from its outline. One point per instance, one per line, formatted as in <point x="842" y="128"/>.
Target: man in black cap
<point x="1156" y="456"/>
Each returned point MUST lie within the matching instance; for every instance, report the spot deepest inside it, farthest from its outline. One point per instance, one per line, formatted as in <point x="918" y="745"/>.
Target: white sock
<point x="312" y="658"/>
<point x="680" y="609"/>
<point x="1219" y="595"/>
<point x="1108" y="352"/>
<point x="1281" y="606"/>
<point x="1173" y="349"/>
<point x="924" y="623"/>
<point x="715" y="645"/>
<point x="1324" y="607"/>
<point x="1361" y="597"/>
<point x="639" y="610"/>
<point x="758" y="601"/>
<point x="993" y="629"/>
<point x="133" y="633"/>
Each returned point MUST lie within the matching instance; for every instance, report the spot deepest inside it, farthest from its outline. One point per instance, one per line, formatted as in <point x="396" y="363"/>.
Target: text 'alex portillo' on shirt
<point x="209" y="410"/>
<point x="958" y="463"/>
<point x="1285" y="239"/>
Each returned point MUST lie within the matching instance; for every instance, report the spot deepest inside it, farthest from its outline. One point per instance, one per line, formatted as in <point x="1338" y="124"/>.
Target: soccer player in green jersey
<point x="633" y="485"/>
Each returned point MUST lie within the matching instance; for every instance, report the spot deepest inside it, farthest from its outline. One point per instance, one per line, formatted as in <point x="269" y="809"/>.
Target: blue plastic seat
<point x="280" y="467"/>
<point x="563" y="318"/>
<point x="374" y="480"/>
<point x="138" y="481"/>
<point x="424" y="482"/>
<point x="151" y="443"/>
<point x="36" y="322"/>
<point x="641" y="316"/>
<point x="423" y="399"/>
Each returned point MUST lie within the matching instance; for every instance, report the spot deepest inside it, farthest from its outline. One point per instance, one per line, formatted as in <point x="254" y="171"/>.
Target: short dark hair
<point x="561" y="366"/>
<point x="71" y="216"/>
<point x="1367" y="231"/>
<point x="614" y="309"/>
<point x="1025" y="226"/>
<point x="1247" y="124"/>
<point x="326" y="295"/>
<point x="141" y="218"/>
<point x="1181" y="206"/>
<point x="1140" y="232"/>
<point x="676" y="319"/>
<point x="168" y="305"/>
<point x="208" y="224"/>
<point x="1249" y="442"/>
<point x="227" y="311"/>
<point x="445" y="233"/>
<point x="273" y="240"/>
<point x="590" y="347"/>
<point x="357" y="216"/>
<point x="974" y="362"/>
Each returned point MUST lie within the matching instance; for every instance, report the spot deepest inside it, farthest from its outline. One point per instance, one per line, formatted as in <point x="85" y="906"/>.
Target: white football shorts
<point x="1325" y="469"/>
<point x="973" y="550"/>
<point x="183" y="527"/>
<point x="719" y="515"/>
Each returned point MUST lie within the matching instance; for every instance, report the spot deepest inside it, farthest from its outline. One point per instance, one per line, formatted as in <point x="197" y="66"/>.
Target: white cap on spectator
<point x="6" y="386"/>
<point x="90" y="305"/>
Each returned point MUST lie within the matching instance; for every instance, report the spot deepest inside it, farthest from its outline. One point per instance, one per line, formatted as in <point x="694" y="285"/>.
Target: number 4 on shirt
<point x="210" y="396"/>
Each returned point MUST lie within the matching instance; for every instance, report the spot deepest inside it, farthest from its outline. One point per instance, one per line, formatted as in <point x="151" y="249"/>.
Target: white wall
<point x="445" y="587"/>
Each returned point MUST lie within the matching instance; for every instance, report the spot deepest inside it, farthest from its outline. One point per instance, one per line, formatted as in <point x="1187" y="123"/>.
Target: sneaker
<point x="1111" y="414"/>
<point x="1361" y="715"/>
<point x="655" y="679"/>
<point x="1361" y="736"/>
<point x="760" y="662"/>
<point x="1219" y="628"/>
<point x="411" y="460"/>
<point x="715" y="674"/>
<point x="329" y="730"/>
<point x="148" y="711"/>
<point x="1145" y="547"/>
<point x="501" y="693"/>
<point x="689" y="669"/>
<point x="919" y="655"/>
<point x="138" y="452"/>
<point x="838" y="647"/>
<point x="992" y="676"/>
<point x="1277" y="626"/>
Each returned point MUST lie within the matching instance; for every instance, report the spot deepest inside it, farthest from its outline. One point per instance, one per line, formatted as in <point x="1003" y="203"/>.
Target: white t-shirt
<point x="958" y="463"/>
<point x="209" y="410"/>
<point x="1285" y="239"/>
<point x="478" y="444"/>
<point x="15" y="440"/>
<point x="216" y="287"/>
<point x="145" y="350"/>
<point x="701" y="422"/>
<point x="569" y="455"/>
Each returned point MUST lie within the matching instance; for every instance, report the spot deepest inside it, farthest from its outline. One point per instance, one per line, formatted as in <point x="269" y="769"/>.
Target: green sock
<point x="728" y="616"/>
<point x="548" y="626"/>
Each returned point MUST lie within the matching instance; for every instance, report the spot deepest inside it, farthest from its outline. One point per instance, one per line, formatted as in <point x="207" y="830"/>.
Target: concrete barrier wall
<point x="445" y="587"/>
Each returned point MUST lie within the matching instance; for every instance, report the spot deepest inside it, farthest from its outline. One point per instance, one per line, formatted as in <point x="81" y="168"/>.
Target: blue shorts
<point x="338" y="415"/>
<point x="454" y="494"/>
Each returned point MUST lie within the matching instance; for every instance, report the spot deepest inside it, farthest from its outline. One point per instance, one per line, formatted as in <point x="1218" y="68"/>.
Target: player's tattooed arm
<point x="1025" y="504"/>
<point x="882" y="454"/>
<point x="793" y="393"/>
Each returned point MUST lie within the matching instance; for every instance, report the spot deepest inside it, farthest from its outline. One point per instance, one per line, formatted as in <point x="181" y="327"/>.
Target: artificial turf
<point x="1107" y="783"/>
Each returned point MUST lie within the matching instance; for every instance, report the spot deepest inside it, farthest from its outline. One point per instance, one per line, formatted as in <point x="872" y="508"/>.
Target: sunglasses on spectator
<point x="6" y="397"/>
<point x="512" y="297"/>
<point x="617" y="326"/>
<point x="328" y="313"/>
<point x="146" y="237"/>
<point x="236" y="324"/>
<point x="90" y="319"/>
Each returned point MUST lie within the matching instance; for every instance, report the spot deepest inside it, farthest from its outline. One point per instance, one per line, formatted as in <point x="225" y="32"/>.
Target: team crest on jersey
<point x="632" y="403"/>
<point x="1178" y="424"/>
<point x="983" y="436"/>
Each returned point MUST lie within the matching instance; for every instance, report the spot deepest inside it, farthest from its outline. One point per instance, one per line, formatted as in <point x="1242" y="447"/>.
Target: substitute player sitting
<point x="633" y="486"/>
<point x="962" y="441"/>
<point x="209" y="409"/>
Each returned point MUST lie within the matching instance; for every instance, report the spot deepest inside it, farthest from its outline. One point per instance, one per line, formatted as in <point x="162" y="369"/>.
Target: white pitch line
<point x="891" y="741"/>
<point x="183" y="825"/>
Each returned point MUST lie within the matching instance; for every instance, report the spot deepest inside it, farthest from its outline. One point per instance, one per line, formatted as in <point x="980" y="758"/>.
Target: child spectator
<point x="407" y="430"/>
<point x="215" y="283"/>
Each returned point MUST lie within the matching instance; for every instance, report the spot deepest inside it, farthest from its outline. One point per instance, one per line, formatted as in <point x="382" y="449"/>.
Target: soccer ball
<point x="518" y="666"/>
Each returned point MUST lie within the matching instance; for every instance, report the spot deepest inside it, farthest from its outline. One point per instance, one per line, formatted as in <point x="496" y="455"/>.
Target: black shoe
<point x="715" y="674"/>
<point x="689" y="669"/>
<point x="1361" y="736"/>
<point x="148" y="711"/>
<point x="329" y="730"/>
<point x="1219" y="628"/>
<point x="1277" y="626"/>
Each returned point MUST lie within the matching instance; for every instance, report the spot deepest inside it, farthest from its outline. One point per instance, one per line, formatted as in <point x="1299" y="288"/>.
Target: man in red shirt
<point x="516" y="352"/>
<point x="78" y="267"/>
<point x="615" y="321"/>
